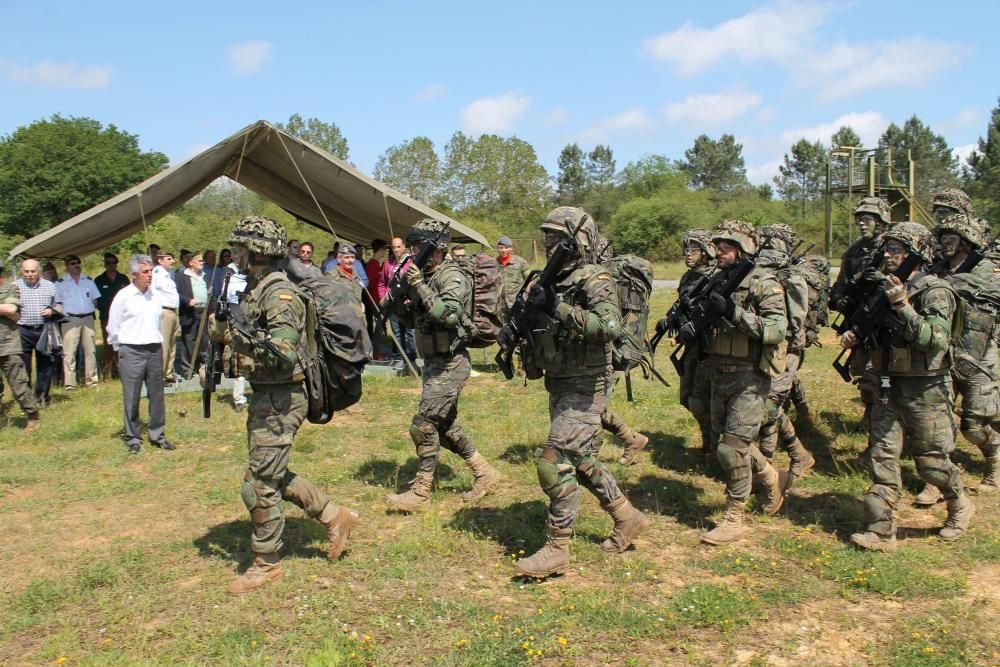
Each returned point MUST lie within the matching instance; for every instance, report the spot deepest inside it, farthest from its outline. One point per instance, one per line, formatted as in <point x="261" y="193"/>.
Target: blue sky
<point x="643" y="77"/>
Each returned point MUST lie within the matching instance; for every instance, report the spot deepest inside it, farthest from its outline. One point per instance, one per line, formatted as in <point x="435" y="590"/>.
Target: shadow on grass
<point x="670" y="497"/>
<point x="518" y="454"/>
<point x="231" y="540"/>
<point x="389" y="474"/>
<point x="670" y="452"/>
<point x="971" y="462"/>
<point x="837" y="513"/>
<point x="515" y="527"/>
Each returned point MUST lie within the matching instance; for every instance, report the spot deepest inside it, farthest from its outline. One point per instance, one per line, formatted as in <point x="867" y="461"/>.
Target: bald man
<point x="40" y="303"/>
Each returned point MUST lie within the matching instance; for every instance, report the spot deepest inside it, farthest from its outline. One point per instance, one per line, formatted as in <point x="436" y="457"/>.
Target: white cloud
<point x="248" y="57"/>
<point x="556" y="117"/>
<point x="712" y="108"/>
<point x="432" y="92"/>
<point x="964" y="119"/>
<point x="495" y="115"/>
<point x="868" y="124"/>
<point x="766" y="115"/>
<point x="51" y="74"/>
<point x="636" y="120"/>
<point x="778" y="32"/>
<point x="760" y="174"/>
<point x="848" y="69"/>
<point x="963" y="152"/>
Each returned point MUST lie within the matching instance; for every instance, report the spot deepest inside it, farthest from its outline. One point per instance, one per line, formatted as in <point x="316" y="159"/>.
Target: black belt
<point x="79" y="314"/>
<point x="33" y="327"/>
<point x="173" y="309"/>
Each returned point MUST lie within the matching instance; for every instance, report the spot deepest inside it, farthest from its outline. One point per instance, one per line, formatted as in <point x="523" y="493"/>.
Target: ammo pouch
<point x="772" y="359"/>
<point x="732" y="343"/>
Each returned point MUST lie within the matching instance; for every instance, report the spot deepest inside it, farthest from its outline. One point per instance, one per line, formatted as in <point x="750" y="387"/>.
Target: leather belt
<point x="734" y="368"/>
<point x="79" y="314"/>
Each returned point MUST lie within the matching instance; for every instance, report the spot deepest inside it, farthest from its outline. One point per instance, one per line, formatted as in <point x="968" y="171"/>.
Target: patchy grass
<point x="114" y="559"/>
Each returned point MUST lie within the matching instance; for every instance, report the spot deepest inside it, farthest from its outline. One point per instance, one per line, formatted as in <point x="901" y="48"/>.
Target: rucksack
<point x="335" y="349"/>
<point x="816" y="270"/>
<point x="633" y="277"/>
<point x="488" y="304"/>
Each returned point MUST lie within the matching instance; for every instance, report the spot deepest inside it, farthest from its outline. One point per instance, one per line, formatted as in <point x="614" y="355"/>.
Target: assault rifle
<point x="397" y="284"/>
<point x="679" y="312"/>
<point x="794" y="259"/>
<point x="977" y="255"/>
<point x="522" y="317"/>
<point x="213" y="366"/>
<point x="870" y="323"/>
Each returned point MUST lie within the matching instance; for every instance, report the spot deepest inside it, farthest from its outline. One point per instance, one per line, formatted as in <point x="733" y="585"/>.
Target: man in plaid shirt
<point x="40" y="302"/>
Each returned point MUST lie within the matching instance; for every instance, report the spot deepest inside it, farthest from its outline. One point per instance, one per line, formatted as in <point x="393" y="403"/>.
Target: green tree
<point x="572" y="178"/>
<point x="845" y="136"/>
<point x="319" y="133"/>
<point x="716" y="165"/>
<point x="982" y="175"/>
<point x="649" y="174"/>
<point x="936" y="166"/>
<point x="54" y="169"/>
<point x="803" y="174"/>
<point x="412" y="167"/>
<point x="653" y="225"/>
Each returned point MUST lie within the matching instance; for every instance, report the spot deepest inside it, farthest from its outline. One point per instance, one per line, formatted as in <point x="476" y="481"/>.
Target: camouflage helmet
<point x="875" y="206"/>
<point x="963" y="226"/>
<point x="952" y="198"/>
<point x="426" y="230"/>
<point x="914" y="236"/>
<point x="564" y="219"/>
<point x="780" y="236"/>
<point x="700" y="237"/>
<point x="740" y="232"/>
<point x="260" y="235"/>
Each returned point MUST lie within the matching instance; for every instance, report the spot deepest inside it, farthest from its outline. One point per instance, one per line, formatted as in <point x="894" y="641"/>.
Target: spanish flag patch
<point x="285" y="297"/>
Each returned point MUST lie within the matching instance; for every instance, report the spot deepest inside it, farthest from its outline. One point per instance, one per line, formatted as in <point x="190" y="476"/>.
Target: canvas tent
<point x="305" y="180"/>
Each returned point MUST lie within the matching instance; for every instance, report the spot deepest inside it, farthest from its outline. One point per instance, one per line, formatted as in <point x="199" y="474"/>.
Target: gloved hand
<point x="872" y="275"/>
<point x="662" y="326"/>
<point x="719" y="306"/>
<point x="543" y="299"/>
<point x="895" y="291"/>
<point x="848" y="340"/>
<point x="414" y="276"/>
<point x="507" y="338"/>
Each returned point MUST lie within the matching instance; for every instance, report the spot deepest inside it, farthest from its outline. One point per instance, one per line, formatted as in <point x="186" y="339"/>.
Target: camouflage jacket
<point x="691" y="277"/>
<point x="352" y="281"/>
<point x="974" y="348"/>
<point x="756" y="335"/>
<point x="513" y="277"/>
<point x="273" y="305"/>
<point x="796" y="295"/>
<point x="576" y="340"/>
<point x="853" y="262"/>
<point x="921" y="330"/>
<point x="440" y="307"/>
<point x="10" y="337"/>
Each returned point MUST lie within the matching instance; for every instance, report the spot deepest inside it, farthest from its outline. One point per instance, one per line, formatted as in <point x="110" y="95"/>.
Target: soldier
<point x="571" y="343"/>
<point x="515" y="269"/>
<point x="915" y="410"/>
<point x="815" y="269"/>
<point x="747" y="349"/>
<point x="278" y="404"/>
<point x="439" y="303"/>
<point x="974" y="369"/>
<point x="948" y="202"/>
<point x="344" y="270"/>
<point x="775" y="256"/>
<point x="11" y="363"/>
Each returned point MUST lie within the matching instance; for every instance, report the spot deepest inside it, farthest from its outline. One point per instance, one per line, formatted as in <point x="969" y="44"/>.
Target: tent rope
<point x="308" y="189"/>
<point x="246" y="137"/>
<point x="385" y="200"/>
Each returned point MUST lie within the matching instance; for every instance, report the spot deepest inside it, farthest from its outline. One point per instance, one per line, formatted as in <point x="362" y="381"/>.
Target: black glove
<point x="507" y="338"/>
<point x="663" y="326"/>
<point x="543" y="299"/>
<point x="686" y="335"/>
<point x="872" y="275"/>
<point x="719" y="306"/>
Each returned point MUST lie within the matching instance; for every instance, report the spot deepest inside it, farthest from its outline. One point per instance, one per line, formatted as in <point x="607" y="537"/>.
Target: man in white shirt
<point x="134" y="332"/>
<point x="237" y="284"/>
<point x="79" y="295"/>
<point x="166" y="290"/>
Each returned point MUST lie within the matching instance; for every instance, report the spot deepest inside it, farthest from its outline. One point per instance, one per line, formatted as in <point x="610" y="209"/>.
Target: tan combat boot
<point x="634" y="443"/>
<point x="34" y="421"/>
<point x="486" y="475"/>
<point x="264" y="569"/>
<point x="552" y="558"/>
<point x="629" y="522"/>
<point x="730" y="527"/>
<point x="770" y="493"/>
<point x="991" y="480"/>
<point x="338" y="522"/>
<point x="960" y="511"/>
<point x="417" y="497"/>
<point x="929" y="496"/>
<point x="872" y="541"/>
<point x="801" y="461"/>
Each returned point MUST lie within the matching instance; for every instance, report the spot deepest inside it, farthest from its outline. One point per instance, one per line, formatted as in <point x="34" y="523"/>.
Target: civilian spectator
<point x="11" y="363"/>
<point x="373" y="267"/>
<point x="49" y="273"/>
<point x="39" y="304"/>
<point x="78" y="294"/>
<point x="134" y="330"/>
<point x="185" y="259"/>
<point x="108" y="284"/>
<point x="344" y="270"/>
<point x="210" y="269"/>
<point x="165" y="288"/>
<point x="457" y="251"/>
<point x="398" y="262"/>
<point x="293" y="249"/>
<point x="154" y="251"/>
<point x="237" y="284"/>
<point x="306" y="253"/>
<point x="192" y="293"/>
<point x="359" y="266"/>
<point x="515" y="269"/>
<point x="225" y="258"/>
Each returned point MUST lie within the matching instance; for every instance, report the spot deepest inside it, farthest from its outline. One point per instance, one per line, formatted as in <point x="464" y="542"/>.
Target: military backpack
<point x="633" y="277"/>
<point x="816" y="271"/>
<point x="488" y="304"/>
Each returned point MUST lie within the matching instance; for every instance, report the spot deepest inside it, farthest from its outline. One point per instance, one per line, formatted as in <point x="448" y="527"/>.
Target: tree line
<point x="53" y="169"/>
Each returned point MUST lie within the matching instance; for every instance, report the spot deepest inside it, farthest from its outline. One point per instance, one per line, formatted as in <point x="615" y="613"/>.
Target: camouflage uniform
<point x="571" y="345"/>
<point x="11" y="362"/>
<point x="815" y="269"/>
<point x="514" y="274"/>
<point x="439" y="307"/>
<point x="277" y="408"/>
<point x="917" y="410"/>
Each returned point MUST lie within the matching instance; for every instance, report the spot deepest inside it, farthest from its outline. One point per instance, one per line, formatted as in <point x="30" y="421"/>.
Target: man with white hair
<point x="40" y="302"/>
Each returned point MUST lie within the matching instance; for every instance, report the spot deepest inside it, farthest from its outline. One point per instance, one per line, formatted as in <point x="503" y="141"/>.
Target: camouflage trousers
<point x="980" y="408"/>
<point x="696" y="394"/>
<point x="612" y="421"/>
<point x="12" y="370"/>
<point x="434" y="424"/>
<point x="274" y="415"/>
<point x="569" y="457"/>
<point x="918" y="415"/>
<point x="737" y="411"/>
<point x="776" y="421"/>
<point x="798" y="393"/>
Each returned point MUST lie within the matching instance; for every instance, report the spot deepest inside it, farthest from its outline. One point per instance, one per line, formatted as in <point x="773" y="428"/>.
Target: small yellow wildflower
<point x="562" y="641"/>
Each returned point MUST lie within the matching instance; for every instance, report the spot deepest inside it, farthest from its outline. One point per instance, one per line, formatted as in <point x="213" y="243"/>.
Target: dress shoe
<point x="166" y="445"/>
<point x="133" y="447"/>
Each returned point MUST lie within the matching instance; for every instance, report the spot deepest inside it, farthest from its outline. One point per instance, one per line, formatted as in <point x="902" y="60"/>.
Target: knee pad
<point x="250" y="494"/>
<point x="879" y="504"/>
<point x="554" y="477"/>
<point x="422" y="430"/>
<point x="934" y="470"/>
<point x="733" y="455"/>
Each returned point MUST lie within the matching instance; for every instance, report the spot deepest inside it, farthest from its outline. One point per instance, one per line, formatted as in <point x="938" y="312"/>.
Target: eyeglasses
<point x="305" y="252"/>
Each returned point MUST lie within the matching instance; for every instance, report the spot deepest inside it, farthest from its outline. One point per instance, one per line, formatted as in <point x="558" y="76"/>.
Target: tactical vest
<point x="974" y="345"/>
<point x="433" y="337"/>
<point x="729" y="345"/>
<point x="10" y="337"/>
<point x="560" y="351"/>
<point x="905" y="359"/>
<point x="255" y="302"/>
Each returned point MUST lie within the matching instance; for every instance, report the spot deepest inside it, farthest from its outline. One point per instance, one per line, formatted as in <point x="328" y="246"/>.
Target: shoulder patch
<point x="285" y="297"/>
<point x="777" y="290"/>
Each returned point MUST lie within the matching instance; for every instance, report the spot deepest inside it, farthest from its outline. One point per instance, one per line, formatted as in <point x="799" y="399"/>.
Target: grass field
<point x="114" y="559"/>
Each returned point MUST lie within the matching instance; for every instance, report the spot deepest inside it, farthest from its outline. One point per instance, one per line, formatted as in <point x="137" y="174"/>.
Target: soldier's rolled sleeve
<point x="929" y="331"/>
<point x="769" y="323"/>
<point x="285" y="315"/>
<point x="445" y="305"/>
<point x="601" y="320"/>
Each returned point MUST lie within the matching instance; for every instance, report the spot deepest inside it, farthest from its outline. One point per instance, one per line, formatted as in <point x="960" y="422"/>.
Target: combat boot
<point x="264" y="569"/>
<point x="960" y="511"/>
<point x="991" y="480"/>
<point x="338" y="522"/>
<point x="801" y="461"/>
<point x="629" y="522"/>
<point x="872" y="541"/>
<point x="929" y="496"/>
<point x="34" y="421"/>
<point x="770" y="493"/>
<point x="552" y="558"/>
<point x="730" y="527"/>
<point x="634" y="442"/>
<point x="486" y="475"/>
<point x="417" y="497"/>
